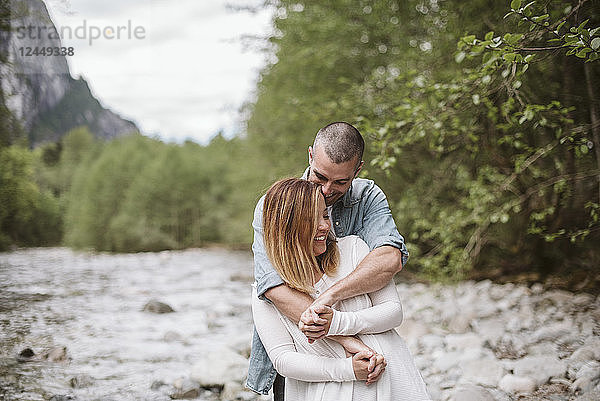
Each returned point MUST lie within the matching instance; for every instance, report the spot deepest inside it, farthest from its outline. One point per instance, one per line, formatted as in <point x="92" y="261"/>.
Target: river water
<point x="92" y="303"/>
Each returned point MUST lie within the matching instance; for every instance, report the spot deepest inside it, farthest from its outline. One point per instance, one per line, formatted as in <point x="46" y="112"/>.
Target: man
<point x="356" y="207"/>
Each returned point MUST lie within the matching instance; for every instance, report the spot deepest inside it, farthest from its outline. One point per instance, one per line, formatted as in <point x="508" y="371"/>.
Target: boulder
<point x="154" y="306"/>
<point x="55" y="354"/>
<point x="553" y="332"/>
<point x="471" y="393"/>
<point x="587" y="378"/>
<point x="464" y="341"/>
<point x="412" y="329"/>
<point x="486" y="372"/>
<point x="81" y="381"/>
<point x="540" y="368"/>
<point x="219" y="367"/>
<point x="187" y="389"/>
<point x="26" y="355"/>
<point x="490" y="330"/>
<point x="517" y="384"/>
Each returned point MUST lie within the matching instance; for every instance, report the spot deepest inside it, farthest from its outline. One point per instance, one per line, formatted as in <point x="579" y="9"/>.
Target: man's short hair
<point x="341" y="142"/>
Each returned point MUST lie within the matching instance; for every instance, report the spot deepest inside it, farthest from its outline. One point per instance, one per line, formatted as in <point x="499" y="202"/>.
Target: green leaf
<point x="470" y="39"/>
<point x="560" y="26"/>
<point x="581" y="53"/>
<point x="582" y="25"/>
<point x="512" y="38"/>
<point x="593" y="31"/>
<point x="595" y="43"/>
<point x="460" y="56"/>
<point x="541" y="18"/>
<point x="510" y="57"/>
<point x="489" y="35"/>
<point x="515" y="4"/>
<point x="569" y="38"/>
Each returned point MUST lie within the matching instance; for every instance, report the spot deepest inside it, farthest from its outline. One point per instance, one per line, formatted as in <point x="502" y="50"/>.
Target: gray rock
<point x="540" y="368"/>
<point x="553" y="332"/>
<point x="26" y="355"/>
<point x="55" y="354"/>
<point x="587" y="378"/>
<point x="171" y="336"/>
<point x="544" y="348"/>
<point x="537" y="288"/>
<point x="464" y="341"/>
<point x="471" y="393"/>
<point x="218" y="367"/>
<point x="62" y="397"/>
<point x="157" y="384"/>
<point x="432" y="342"/>
<point x="461" y="322"/>
<point x="412" y="329"/>
<point x="490" y="330"/>
<point x="186" y="389"/>
<point x="154" y="306"/>
<point x="517" y="384"/>
<point x="591" y="396"/>
<point x="486" y="372"/>
<point x="590" y="349"/>
<point x="582" y="300"/>
<point x="446" y="361"/>
<point x="558" y="297"/>
<point x="81" y="381"/>
<point x="241" y="343"/>
<point x="231" y="391"/>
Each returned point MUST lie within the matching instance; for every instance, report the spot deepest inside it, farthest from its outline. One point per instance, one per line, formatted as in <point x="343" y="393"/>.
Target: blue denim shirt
<point x="364" y="211"/>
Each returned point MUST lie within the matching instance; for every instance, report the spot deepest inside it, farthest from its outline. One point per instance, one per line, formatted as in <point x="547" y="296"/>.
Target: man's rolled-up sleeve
<point x="265" y="275"/>
<point x="378" y="228"/>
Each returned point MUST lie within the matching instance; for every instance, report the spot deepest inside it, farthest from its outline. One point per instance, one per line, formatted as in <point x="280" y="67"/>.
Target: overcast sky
<point x="186" y="72"/>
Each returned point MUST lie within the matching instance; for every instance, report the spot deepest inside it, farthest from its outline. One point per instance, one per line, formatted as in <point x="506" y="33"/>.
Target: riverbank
<point x="475" y="340"/>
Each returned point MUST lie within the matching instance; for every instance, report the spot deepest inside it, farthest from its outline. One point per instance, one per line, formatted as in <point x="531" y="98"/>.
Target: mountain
<point x="39" y="89"/>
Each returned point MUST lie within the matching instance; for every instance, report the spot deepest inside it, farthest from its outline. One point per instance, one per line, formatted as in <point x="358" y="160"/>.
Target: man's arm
<point x="373" y="273"/>
<point x="387" y="256"/>
<point x="292" y="302"/>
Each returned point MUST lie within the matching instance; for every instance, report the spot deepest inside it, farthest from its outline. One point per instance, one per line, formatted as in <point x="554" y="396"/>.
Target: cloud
<point x="188" y="75"/>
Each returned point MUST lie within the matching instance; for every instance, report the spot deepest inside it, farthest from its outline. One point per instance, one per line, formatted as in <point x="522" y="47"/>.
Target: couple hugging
<point x="324" y="304"/>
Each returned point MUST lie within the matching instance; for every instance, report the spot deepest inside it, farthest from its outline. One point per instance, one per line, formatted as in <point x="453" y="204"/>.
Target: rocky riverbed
<point x="158" y="326"/>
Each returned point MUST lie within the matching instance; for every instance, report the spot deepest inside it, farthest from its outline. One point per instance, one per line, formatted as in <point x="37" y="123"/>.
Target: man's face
<point x="335" y="179"/>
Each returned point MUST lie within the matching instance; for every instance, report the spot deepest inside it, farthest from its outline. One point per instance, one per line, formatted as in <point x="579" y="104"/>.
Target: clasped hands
<point x="367" y="364"/>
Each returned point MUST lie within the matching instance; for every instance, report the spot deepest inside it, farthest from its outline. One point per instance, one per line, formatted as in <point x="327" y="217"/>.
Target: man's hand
<point x="315" y="321"/>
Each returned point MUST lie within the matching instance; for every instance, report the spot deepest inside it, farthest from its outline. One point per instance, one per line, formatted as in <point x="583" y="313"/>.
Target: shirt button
<point x="317" y="292"/>
<point x="337" y="223"/>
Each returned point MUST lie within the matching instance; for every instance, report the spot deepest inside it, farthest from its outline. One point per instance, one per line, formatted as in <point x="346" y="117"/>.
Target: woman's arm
<point x="282" y="352"/>
<point x="384" y="314"/>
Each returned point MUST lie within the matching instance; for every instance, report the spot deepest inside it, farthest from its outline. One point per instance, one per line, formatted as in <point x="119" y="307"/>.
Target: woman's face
<point x="323" y="227"/>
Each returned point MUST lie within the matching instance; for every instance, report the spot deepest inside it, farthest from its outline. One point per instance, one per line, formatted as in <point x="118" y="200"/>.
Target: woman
<point x="300" y="246"/>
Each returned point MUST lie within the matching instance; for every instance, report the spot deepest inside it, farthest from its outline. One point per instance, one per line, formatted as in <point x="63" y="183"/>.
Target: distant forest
<point x="482" y="122"/>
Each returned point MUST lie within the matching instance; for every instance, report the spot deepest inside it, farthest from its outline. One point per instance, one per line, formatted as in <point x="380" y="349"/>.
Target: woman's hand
<point x="380" y="365"/>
